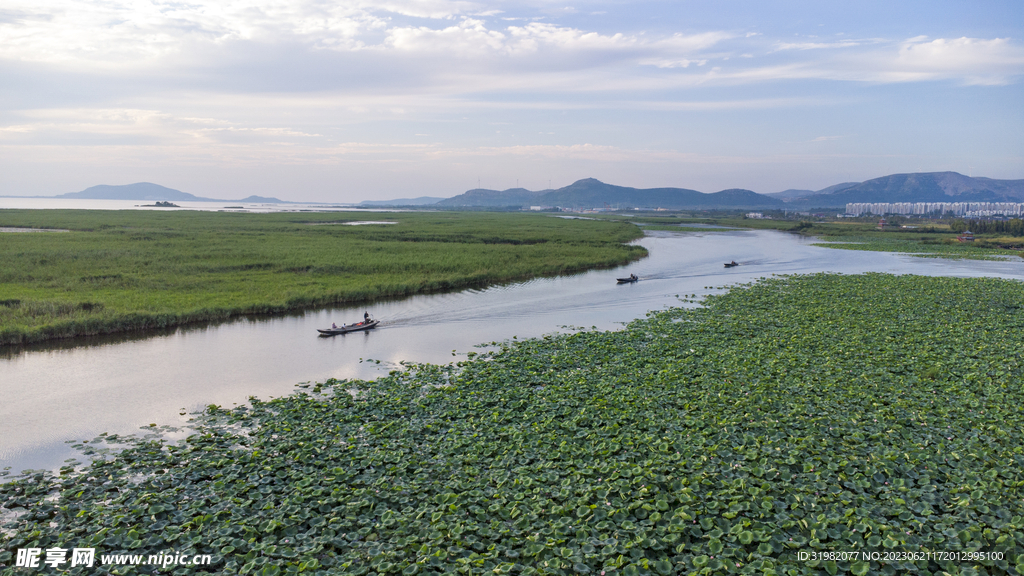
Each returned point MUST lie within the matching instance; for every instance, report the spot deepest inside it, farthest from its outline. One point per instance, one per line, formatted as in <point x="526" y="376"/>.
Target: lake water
<point x="88" y="204"/>
<point x="75" y="390"/>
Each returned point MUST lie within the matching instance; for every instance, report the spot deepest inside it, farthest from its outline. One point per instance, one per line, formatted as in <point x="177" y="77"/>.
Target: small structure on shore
<point x="967" y="236"/>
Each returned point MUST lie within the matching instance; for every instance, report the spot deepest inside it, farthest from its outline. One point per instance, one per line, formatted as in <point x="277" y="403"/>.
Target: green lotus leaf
<point x="522" y="456"/>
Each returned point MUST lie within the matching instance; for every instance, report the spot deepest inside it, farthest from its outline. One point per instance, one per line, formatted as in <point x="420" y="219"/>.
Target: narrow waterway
<point x="75" y="390"/>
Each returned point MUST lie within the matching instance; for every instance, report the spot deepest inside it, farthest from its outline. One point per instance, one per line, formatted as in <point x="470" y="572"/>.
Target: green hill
<point x="592" y="193"/>
<point x="920" y="187"/>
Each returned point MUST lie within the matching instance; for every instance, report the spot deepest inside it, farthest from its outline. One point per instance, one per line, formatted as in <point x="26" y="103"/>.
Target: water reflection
<point x="77" y="389"/>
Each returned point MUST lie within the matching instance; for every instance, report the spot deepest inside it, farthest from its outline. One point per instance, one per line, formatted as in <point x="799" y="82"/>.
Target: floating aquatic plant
<point x="795" y="415"/>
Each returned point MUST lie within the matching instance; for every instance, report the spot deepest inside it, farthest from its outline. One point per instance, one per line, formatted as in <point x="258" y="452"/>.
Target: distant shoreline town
<point x="962" y="209"/>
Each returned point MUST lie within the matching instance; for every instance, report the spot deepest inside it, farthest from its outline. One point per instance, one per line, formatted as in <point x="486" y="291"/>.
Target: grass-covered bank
<point x="133" y="270"/>
<point x="920" y="238"/>
<point x="927" y="238"/>
<point x="808" y="414"/>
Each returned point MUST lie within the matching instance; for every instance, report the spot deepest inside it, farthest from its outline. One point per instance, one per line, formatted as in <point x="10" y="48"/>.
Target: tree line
<point x="1014" y="227"/>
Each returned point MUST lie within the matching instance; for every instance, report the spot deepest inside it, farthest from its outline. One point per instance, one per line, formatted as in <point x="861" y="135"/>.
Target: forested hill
<point x="493" y="198"/>
<point x="592" y="193"/>
<point x="919" y="187"/>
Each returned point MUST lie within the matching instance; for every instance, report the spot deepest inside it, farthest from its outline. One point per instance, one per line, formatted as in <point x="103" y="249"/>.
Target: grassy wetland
<point x="812" y="414"/>
<point x="134" y="270"/>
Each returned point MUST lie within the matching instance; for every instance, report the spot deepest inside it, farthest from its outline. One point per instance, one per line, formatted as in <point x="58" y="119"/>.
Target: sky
<point x="351" y="100"/>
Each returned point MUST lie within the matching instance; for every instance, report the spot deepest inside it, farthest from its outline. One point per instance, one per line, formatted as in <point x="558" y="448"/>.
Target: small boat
<point x="731" y="264"/>
<point x="629" y="280"/>
<point x="349" y="328"/>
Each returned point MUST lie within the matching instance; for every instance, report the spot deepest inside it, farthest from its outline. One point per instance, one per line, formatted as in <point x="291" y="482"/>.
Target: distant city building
<point x="755" y="215"/>
<point x="962" y="209"/>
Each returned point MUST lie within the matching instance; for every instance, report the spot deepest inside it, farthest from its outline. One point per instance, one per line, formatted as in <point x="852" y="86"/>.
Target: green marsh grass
<point x="133" y="270"/>
<point x="922" y="247"/>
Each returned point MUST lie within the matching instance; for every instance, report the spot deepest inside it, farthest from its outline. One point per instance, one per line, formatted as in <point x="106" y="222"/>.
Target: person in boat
<point x="334" y="326"/>
<point x="633" y="277"/>
<point x="366" y="317"/>
<point x="343" y="327"/>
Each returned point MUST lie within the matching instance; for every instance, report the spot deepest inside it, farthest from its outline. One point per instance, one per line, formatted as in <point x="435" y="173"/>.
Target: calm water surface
<point x="75" y="390"/>
<point x="88" y="204"/>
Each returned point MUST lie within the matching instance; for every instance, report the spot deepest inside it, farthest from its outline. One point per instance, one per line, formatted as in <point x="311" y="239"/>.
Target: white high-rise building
<point x="963" y="209"/>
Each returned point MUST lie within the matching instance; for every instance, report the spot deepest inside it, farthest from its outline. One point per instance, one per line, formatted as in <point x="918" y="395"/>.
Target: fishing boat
<point x="629" y="280"/>
<point x="349" y="328"/>
<point x="731" y="264"/>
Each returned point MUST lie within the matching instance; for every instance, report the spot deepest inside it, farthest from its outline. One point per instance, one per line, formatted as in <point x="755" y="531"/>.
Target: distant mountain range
<point x="591" y="193"/>
<point x="150" y="191"/>
<point x="919" y="187"/>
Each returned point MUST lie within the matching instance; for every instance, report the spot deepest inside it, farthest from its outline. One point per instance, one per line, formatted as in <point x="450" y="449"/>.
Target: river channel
<point x="56" y="394"/>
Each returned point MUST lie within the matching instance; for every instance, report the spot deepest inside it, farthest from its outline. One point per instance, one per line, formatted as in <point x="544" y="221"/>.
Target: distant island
<point x="421" y="201"/>
<point x="160" y="205"/>
<point x="153" y="192"/>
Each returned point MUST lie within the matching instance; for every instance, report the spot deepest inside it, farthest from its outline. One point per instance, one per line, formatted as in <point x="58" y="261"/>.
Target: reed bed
<point x="123" y="271"/>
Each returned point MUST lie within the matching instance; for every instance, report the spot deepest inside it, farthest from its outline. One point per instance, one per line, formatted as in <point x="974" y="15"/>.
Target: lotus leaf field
<point x="794" y="416"/>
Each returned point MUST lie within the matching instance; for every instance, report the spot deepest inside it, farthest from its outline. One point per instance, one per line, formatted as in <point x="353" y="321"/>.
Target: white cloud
<point x="436" y="9"/>
<point x="818" y="45"/>
<point x="469" y="37"/>
<point x="472" y="37"/>
<point x="119" y="33"/>
<point x="966" y="60"/>
<point x="133" y="35"/>
<point x="130" y="31"/>
<point x="680" y="50"/>
<point x="537" y="34"/>
<point x="114" y="125"/>
<point x="973" y="60"/>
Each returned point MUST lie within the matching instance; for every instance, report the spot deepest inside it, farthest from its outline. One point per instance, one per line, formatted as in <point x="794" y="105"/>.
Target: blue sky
<point x="358" y="100"/>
